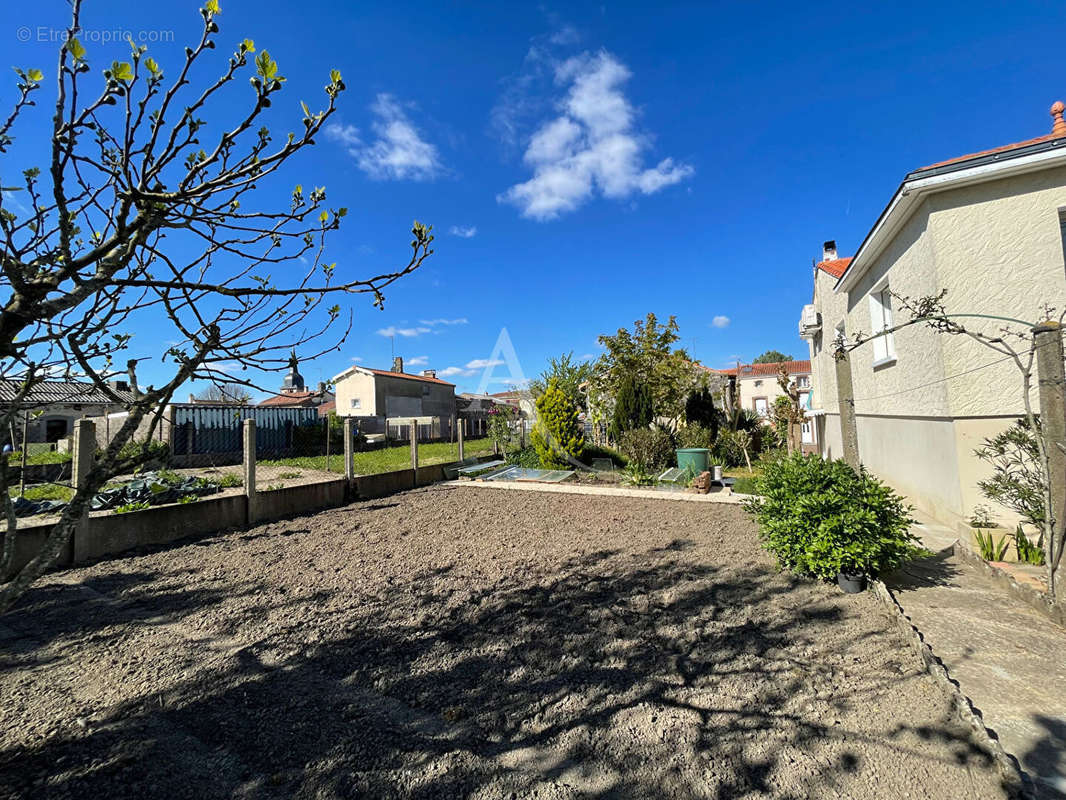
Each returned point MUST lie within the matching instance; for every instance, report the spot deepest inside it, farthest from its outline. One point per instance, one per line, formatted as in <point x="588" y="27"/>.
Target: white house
<point x="757" y="388"/>
<point x="987" y="227"/>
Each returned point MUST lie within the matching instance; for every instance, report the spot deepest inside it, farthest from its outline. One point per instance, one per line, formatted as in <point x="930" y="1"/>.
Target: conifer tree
<point x="633" y="407"/>
<point x="557" y="436"/>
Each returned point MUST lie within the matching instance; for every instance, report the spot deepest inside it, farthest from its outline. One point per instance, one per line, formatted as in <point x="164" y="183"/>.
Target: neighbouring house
<point x="755" y="387"/>
<point x="293" y="393"/>
<point x="990" y="229"/>
<point x="523" y="401"/>
<point x="376" y="396"/>
<point x="52" y="407"/>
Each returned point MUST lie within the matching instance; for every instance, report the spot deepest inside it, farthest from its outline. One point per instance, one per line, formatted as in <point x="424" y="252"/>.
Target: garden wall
<point x="302" y="499"/>
<point x="108" y="534"/>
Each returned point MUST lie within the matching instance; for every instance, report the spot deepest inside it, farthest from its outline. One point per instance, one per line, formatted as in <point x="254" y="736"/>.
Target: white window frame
<point x="803" y="382"/>
<point x="357" y="402"/>
<point x="884" y="347"/>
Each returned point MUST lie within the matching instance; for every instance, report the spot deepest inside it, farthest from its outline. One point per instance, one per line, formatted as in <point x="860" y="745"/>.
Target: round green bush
<point x="822" y="517"/>
<point x="695" y="435"/>
<point x="647" y="448"/>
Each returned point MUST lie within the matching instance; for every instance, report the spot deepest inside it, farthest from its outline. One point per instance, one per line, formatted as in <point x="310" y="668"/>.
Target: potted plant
<point x="824" y="519"/>
<point x="988" y="539"/>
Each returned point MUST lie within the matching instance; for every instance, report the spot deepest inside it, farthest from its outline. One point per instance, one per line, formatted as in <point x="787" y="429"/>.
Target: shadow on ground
<point x="934" y="570"/>
<point x="623" y="675"/>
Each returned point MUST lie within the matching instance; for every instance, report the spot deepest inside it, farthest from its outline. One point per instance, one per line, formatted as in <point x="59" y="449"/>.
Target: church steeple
<point x="294" y="381"/>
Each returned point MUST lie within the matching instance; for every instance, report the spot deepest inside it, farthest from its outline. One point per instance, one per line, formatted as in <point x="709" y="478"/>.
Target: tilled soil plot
<point x="461" y="642"/>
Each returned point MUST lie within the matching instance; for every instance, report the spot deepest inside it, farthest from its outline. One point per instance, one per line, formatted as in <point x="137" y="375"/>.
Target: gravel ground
<point x="453" y="642"/>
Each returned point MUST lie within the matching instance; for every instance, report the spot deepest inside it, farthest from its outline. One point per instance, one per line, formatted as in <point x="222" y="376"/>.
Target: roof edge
<point x="921" y="183"/>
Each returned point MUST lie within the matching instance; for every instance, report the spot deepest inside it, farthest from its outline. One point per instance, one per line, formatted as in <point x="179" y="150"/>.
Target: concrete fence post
<point x="849" y="432"/>
<point x="82" y="462"/>
<point x="462" y="454"/>
<point x="1047" y="338"/>
<point x="414" y="451"/>
<point x="349" y="449"/>
<point x="249" y="468"/>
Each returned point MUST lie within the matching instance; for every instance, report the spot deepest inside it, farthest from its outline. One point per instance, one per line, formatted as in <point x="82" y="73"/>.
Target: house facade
<point x="989" y="229"/>
<point x="52" y="407"/>
<point x="391" y="394"/>
<point x="755" y="387"/>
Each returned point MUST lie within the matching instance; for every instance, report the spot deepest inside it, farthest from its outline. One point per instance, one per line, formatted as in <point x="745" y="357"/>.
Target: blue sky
<point x="584" y="164"/>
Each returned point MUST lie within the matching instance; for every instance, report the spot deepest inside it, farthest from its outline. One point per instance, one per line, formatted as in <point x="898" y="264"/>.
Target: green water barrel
<point x="694" y="459"/>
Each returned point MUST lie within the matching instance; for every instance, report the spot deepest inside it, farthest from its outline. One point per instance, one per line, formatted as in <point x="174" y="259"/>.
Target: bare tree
<point x="139" y="222"/>
<point x="230" y="392"/>
<point x="1019" y="346"/>
<point x="793" y="417"/>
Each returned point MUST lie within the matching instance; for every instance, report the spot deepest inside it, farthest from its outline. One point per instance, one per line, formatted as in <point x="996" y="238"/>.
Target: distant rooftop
<point x="48" y="392"/>
<point x="767" y="370"/>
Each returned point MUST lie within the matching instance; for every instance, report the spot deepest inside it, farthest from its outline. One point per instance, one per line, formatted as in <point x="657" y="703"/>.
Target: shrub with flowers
<point x="502" y="419"/>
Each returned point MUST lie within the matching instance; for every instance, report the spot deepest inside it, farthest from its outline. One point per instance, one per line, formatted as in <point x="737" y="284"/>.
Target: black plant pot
<point x="851" y="583"/>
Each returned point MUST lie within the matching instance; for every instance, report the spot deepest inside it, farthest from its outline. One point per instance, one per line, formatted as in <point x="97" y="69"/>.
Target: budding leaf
<point x="266" y="66"/>
<point x="35" y="75"/>
<point x="152" y="66"/>
<point x="76" y="49"/>
<point x="211" y="7"/>
<point x="121" y="71"/>
<point x="249" y="45"/>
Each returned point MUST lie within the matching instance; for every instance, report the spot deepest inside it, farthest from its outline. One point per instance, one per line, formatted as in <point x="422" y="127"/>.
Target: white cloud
<point x="348" y="135"/>
<point x="11" y="199"/>
<point x="357" y="359"/>
<point x="392" y="330"/>
<point x="720" y="321"/>
<point x="399" y="151"/>
<point x="471" y="368"/>
<point x="463" y="232"/>
<point x="449" y="372"/>
<point x="588" y="357"/>
<point x="591" y="147"/>
<point x="435" y="322"/>
<point x="566" y="35"/>
<point x="484" y="363"/>
<point x="418" y="361"/>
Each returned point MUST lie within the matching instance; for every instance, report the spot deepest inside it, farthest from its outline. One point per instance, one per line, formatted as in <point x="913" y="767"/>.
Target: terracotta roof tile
<point x="836" y="268"/>
<point x="1058" y="131"/>
<point x="764" y="370"/>
<point x="408" y="376"/>
<point x="305" y="398"/>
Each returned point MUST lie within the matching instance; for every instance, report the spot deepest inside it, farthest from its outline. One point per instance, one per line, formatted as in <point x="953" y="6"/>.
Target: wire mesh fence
<point x="193" y="451"/>
<point x="38" y="478"/>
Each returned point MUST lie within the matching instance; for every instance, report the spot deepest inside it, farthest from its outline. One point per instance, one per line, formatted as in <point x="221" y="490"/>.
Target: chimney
<point x="829" y="250"/>
<point x="397" y="364"/>
<point x="321" y="387"/>
<point x="192" y="397"/>
<point x="429" y="373"/>
<point x="1059" y="127"/>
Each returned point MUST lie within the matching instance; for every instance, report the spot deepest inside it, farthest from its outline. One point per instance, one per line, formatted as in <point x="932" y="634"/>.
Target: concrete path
<point x="1007" y="658"/>
<point x="715" y="496"/>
